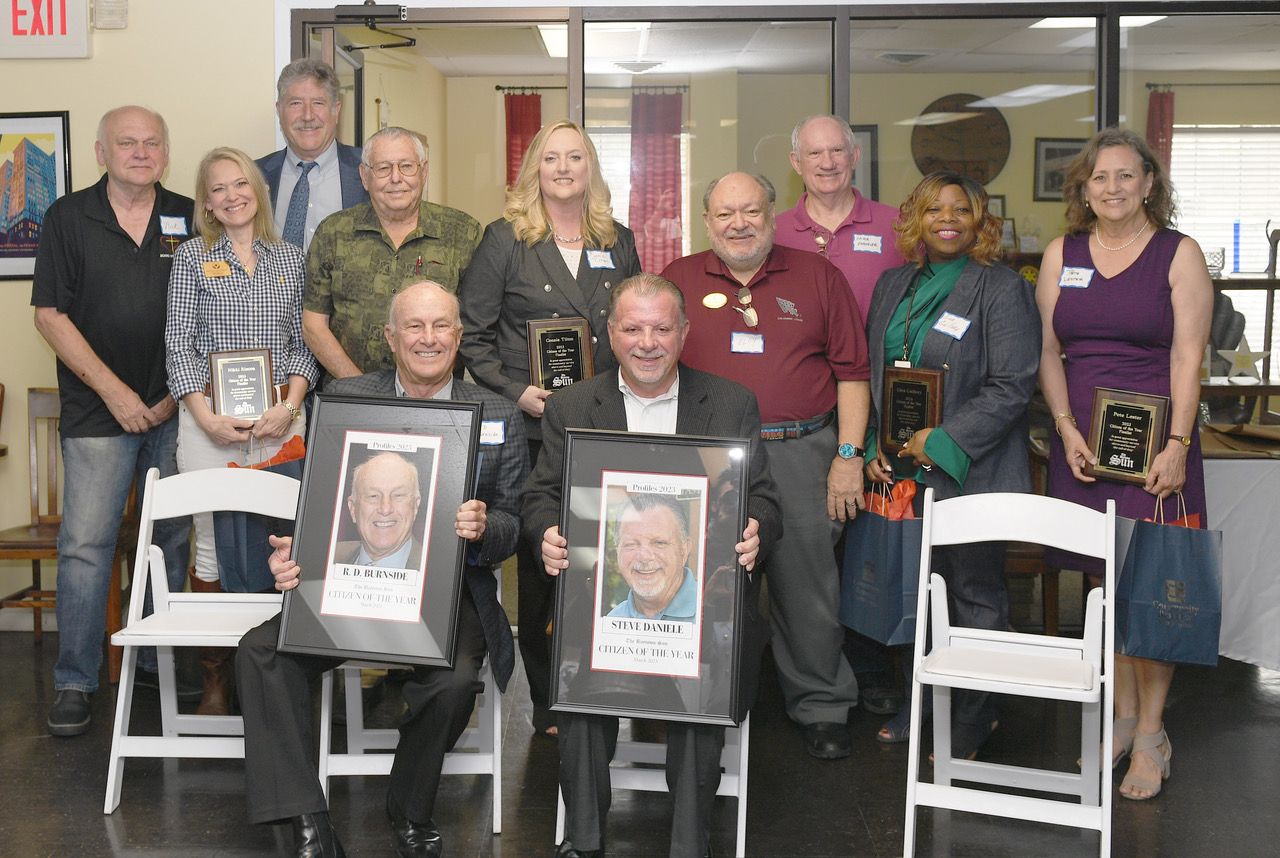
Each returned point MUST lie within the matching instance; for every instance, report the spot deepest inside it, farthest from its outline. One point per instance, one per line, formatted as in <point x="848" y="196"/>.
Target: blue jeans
<point x="97" y="473"/>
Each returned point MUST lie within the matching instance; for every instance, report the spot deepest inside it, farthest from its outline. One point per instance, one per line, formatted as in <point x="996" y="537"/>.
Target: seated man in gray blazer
<point x="651" y="391"/>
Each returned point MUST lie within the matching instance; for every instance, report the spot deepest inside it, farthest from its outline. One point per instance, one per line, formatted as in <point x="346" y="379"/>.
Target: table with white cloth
<point x="1243" y="498"/>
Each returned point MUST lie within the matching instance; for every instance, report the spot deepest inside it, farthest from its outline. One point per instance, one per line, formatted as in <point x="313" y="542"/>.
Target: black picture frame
<point x="1053" y="154"/>
<point x="866" y="174"/>
<point x="346" y="609"/>
<point x="47" y="174"/>
<point x="628" y="665"/>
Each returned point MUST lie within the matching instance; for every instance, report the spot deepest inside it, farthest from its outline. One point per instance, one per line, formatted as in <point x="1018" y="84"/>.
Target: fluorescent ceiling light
<point x="1030" y="95"/>
<point x="1065" y="24"/>
<point x="1121" y="119"/>
<point x="1133" y="22"/>
<point x="936" y="118"/>
<point x="555" y="38"/>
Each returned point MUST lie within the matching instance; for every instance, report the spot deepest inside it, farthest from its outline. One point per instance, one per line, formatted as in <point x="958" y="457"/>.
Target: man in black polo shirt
<point x="100" y="284"/>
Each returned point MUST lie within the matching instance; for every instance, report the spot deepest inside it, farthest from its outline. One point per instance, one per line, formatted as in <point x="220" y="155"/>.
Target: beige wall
<point x="414" y="93"/>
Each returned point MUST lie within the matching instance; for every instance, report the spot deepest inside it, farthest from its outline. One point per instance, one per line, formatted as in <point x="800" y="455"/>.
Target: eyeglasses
<point x="749" y="314"/>
<point x="821" y="239"/>
<point x="406" y="168"/>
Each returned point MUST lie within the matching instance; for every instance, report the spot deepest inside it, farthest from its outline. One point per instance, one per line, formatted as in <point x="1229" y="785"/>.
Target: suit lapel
<point x="959" y="302"/>
<point x="609" y="412"/>
<point x="558" y="277"/>
<point x="693" y="415"/>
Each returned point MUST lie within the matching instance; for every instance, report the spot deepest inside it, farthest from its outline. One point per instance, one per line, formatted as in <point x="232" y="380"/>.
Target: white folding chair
<point x="639" y="766"/>
<point x="188" y="619"/>
<point x="1068" y="669"/>
<point x="478" y="750"/>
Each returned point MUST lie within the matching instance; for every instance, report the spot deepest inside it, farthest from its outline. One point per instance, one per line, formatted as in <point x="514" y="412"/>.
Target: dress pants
<point x="587" y="744"/>
<point x="535" y="598"/>
<point x="804" y="585"/>
<point x="275" y="697"/>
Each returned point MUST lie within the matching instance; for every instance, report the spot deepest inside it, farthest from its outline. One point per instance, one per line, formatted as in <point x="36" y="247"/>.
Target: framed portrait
<point x="380" y="565"/>
<point x="995" y="202"/>
<point x="35" y="169"/>
<point x="647" y="614"/>
<point x="866" y="175"/>
<point x="1053" y="154"/>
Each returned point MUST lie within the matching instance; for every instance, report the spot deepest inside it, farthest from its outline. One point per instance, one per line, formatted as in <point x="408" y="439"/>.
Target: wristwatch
<point x="849" y="451"/>
<point x="1184" y="440"/>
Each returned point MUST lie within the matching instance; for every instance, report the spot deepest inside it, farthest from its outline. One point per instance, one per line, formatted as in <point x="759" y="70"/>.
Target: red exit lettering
<point x="42" y="17"/>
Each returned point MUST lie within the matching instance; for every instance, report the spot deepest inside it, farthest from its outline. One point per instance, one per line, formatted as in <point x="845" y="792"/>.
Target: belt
<point x="795" y="428"/>
<point x="281" y="391"/>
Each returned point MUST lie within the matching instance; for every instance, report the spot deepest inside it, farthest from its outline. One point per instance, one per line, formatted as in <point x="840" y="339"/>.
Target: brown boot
<point x="215" y="663"/>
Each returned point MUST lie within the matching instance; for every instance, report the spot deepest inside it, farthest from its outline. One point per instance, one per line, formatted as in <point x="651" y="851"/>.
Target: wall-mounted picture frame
<point x="647" y="620"/>
<point x="995" y="203"/>
<point x="1053" y="154"/>
<point x="35" y="169"/>
<point x="866" y="174"/>
<point x="380" y="563"/>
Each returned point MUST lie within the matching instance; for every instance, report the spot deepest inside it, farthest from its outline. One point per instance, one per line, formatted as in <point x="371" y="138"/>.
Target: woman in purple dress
<point x="1125" y="302"/>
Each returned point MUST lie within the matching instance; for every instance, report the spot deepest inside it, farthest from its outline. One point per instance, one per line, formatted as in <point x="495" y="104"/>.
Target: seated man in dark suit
<point x="274" y="687"/>
<point x="650" y="392"/>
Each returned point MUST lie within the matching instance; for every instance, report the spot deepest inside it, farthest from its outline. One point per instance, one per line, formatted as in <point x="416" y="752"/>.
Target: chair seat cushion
<point x="196" y="628"/>
<point x="1019" y="669"/>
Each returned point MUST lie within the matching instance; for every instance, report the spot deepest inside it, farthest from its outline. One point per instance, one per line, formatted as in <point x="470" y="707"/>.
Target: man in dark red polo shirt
<point x="784" y="323"/>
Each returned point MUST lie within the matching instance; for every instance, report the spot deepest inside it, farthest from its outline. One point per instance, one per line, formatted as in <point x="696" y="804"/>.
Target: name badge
<point x="173" y="225"/>
<point x="952" y="325"/>
<point x="217" y="268"/>
<point x="1075" y="278"/>
<point x="600" y="259"/>
<point x="746" y="343"/>
<point x="492" y="432"/>
<point x="866" y="243"/>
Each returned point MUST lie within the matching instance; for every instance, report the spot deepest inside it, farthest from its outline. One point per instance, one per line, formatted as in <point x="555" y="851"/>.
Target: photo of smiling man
<point x="653" y="555"/>
<point x="383" y="505"/>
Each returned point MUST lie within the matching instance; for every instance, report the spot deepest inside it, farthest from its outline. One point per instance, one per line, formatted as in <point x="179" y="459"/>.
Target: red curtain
<point x="1160" y="124"/>
<point x="524" y="118"/>
<point x="657" y="203"/>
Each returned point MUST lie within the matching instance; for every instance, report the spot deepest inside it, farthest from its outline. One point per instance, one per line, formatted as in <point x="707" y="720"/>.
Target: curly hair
<point x="263" y="222"/>
<point x="1160" y="205"/>
<point x="526" y="211"/>
<point x="910" y="226"/>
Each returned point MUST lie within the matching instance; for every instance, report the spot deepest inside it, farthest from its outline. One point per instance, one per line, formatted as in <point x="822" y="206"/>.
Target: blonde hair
<point x="910" y="226"/>
<point x="526" y="211"/>
<point x="263" y="223"/>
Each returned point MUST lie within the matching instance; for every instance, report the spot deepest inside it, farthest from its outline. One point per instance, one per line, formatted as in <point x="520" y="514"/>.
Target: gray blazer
<point x="509" y="283"/>
<point x="353" y="192"/>
<point x="989" y="374"/>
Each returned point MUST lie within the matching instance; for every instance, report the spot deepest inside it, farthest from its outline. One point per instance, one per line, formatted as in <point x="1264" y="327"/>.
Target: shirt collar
<point x="327" y="160"/>
<point x="672" y="393"/>
<point x="445" y="392"/>
<point x="860" y="213"/>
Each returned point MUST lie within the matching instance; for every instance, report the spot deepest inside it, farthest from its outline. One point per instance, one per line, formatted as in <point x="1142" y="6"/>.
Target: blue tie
<point x="295" y="222"/>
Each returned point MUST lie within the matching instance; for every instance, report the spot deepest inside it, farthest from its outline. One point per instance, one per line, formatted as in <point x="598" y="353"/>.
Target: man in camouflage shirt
<point x="362" y="256"/>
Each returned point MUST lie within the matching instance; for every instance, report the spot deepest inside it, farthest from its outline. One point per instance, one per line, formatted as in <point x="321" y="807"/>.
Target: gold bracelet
<point x="1058" y="419"/>
<point x="297" y="415"/>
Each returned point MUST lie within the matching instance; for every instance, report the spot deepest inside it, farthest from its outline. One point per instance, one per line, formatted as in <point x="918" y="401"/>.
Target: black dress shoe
<point x="414" y="839"/>
<point x="567" y="850"/>
<point x="69" y="715"/>
<point x="313" y="837"/>
<point x="827" y="740"/>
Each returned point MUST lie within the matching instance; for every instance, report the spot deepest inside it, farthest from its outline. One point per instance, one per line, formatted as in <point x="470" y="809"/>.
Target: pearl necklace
<point x="561" y="238"/>
<point x="1098" y="235"/>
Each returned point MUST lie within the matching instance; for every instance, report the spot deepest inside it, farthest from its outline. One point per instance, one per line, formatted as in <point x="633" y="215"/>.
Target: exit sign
<point x="44" y="28"/>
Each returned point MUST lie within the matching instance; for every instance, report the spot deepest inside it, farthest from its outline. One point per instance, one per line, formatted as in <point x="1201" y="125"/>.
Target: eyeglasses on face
<point x="406" y="168"/>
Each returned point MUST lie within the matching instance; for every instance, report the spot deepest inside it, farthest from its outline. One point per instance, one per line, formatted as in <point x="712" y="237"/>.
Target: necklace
<point x="561" y="238"/>
<point x="1098" y="235"/>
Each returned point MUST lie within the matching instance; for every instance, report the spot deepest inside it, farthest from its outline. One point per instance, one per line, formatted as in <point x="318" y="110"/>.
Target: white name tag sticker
<point x="866" y="243"/>
<point x="1075" y="278"/>
<point x="493" y="432"/>
<point x="173" y="225"/>
<point x="952" y="325"/>
<point x="600" y="259"/>
<point x="746" y="343"/>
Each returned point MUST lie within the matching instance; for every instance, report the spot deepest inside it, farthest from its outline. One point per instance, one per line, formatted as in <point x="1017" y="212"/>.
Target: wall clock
<point x="954" y="135"/>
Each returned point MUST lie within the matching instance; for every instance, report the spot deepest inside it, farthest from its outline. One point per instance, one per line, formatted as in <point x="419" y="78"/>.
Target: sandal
<point x="1123" y="730"/>
<point x="897" y="729"/>
<point x="1151" y="746"/>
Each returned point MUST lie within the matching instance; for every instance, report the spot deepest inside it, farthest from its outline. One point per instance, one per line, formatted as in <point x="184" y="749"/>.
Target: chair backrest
<point x="1012" y="516"/>
<point x="43" y="404"/>
<point x="211" y="490"/>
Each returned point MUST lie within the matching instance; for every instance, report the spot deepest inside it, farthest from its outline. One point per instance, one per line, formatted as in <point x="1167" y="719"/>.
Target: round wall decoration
<point x="952" y="134"/>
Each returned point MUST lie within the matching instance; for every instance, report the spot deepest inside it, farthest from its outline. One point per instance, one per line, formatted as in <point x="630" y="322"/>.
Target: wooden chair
<point x="38" y="540"/>
<point x="1079" y="670"/>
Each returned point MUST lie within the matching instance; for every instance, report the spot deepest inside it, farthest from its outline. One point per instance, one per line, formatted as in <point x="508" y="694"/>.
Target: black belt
<point x="795" y="428"/>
